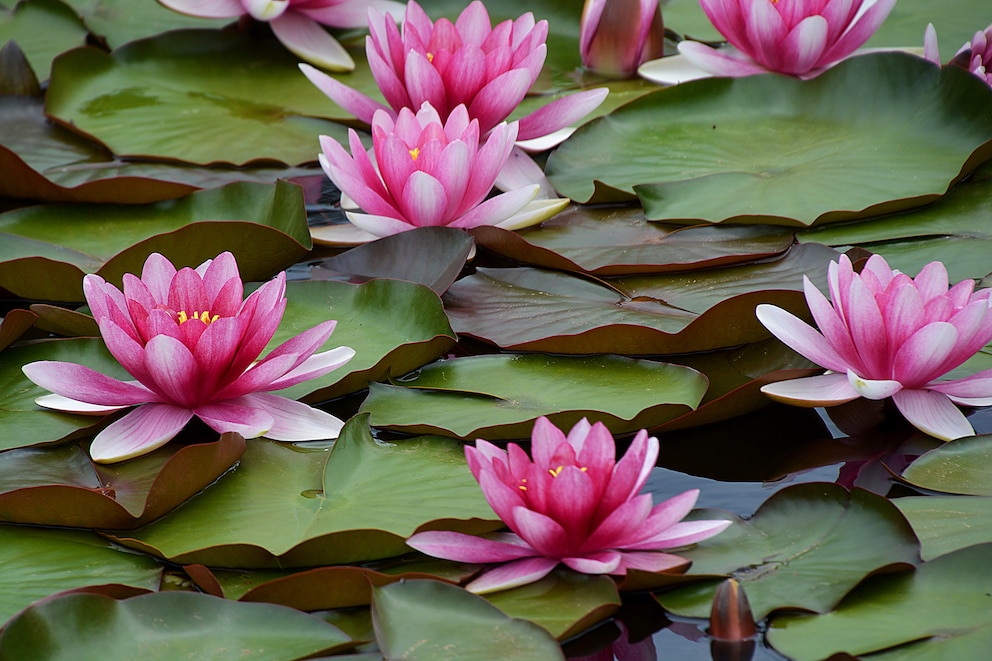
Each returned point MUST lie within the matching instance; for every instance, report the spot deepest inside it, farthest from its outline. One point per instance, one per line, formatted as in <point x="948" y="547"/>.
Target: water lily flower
<point x="573" y="504"/>
<point x="427" y="173"/>
<point x="975" y="56"/>
<point x="191" y="342"/>
<point x="297" y="23"/>
<point x="888" y="335"/>
<point x="469" y="62"/>
<point x="796" y="37"/>
<point x="617" y="36"/>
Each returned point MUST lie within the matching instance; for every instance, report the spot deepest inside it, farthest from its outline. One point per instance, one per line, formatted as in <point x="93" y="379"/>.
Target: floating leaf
<point x="531" y="310"/>
<point x="962" y="467"/>
<point x="805" y="547"/>
<point x="121" y="21"/>
<point x="458" y="625"/>
<point x="14" y="325"/>
<point x="619" y="241"/>
<point x="938" y="611"/>
<point x="35" y="562"/>
<point x="947" y="523"/>
<point x="198" y="96"/>
<point x="500" y="396"/>
<point x="42" y="29"/>
<point x="288" y="507"/>
<point x="165" y="626"/>
<point x="876" y="134"/>
<point x="47" y="249"/>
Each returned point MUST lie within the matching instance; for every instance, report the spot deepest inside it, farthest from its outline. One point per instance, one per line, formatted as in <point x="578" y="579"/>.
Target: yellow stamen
<point x="414" y="153"/>
<point x="204" y="316"/>
<point x="430" y="57"/>
<point x="555" y="472"/>
<point x="521" y="486"/>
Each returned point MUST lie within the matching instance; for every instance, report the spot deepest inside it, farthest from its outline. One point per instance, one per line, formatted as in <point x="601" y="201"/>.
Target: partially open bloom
<point x="617" y="36"/>
<point x="975" y="56"/>
<point x="796" y="37"/>
<point x="297" y="23"/>
<point x="426" y="173"/>
<point x="573" y="504"/>
<point x="469" y="62"/>
<point x="888" y="335"/>
<point x="191" y="342"/>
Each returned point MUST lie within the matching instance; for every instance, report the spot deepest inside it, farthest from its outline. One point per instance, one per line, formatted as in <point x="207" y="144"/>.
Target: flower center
<point x="414" y="153"/>
<point x="204" y="316"/>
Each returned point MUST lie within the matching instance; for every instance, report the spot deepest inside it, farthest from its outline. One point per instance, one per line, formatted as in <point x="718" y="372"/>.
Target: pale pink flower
<point x="425" y="173"/>
<point x="191" y="342"/>
<point x="617" y="36"/>
<point x="573" y="504"/>
<point x="796" y="37"/>
<point x="297" y="23"/>
<point x="975" y="56"/>
<point x="888" y="335"/>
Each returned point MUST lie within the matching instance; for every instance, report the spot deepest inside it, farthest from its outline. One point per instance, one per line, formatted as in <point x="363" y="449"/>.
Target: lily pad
<point x="962" y="467"/>
<point x="876" y="134"/>
<point x="14" y="325"/>
<point x="35" y="562"/>
<point x="619" y="241"/>
<point x="500" y="396"/>
<point x="948" y="523"/>
<point x="289" y="507"/>
<point x="42" y="29"/>
<point x="806" y="547"/>
<point x="121" y="21"/>
<point x="165" y="626"/>
<point x="198" y="96"/>
<point x="47" y="249"/>
<point x="393" y="326"/>
<point x="532" y="310"/>
<point x="939" y="611"/>
<point x="44" y="161"/>
<point x="458" y="625"/>
<point x="62" y="487"/>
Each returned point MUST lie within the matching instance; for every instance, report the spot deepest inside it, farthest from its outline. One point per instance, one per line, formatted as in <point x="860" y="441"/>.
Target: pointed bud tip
<point x="731" y="618"/>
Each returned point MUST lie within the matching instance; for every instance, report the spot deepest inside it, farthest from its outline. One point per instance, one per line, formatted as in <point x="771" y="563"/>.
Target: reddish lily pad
<point x="14" y="325"/>
<point x="68" y="323"/>
<point x="62" y="487"/>
<point x="531" y="310"/>
<point x="500" y="396"/>
<point x="619" y="241"/>
<point x="47" y="249"/>
<point x="289" y="507"/>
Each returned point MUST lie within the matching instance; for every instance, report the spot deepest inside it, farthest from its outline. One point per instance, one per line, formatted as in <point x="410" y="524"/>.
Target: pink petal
<point x="544" y="441"/>
<point x="800" y="337"/>
<point x="802" y="48"/>
<point x="512" y="575"/>
<point x="60" y="403"/>
<point x="650" y="561"/>
<point x="681" y="534"/>
<point x="315" y="366"/>
<point x="873" y="389"/>
<point x="621" y="524"/>
<point x="378" y="226"/>
<point x="352" y="13"/>
<point x="228" y="416"/>
<point x="765" y="32"/>
<point x="207" y="8"/>
<point x="604" y="562"/>
<point x="81" y="383"/>
<point x="358" y="104"/>
<point x="975" y="387"/>
<point x="467" y="548"/>
<point x="544" y="534"/>
<point x="722" y="62"/>
<point x="306" y="39"/>
<point x="293" y="421"/>
<point x="173" y="370"/>
<point x="424" y="83"/>
<point x="499" y="97"/>
<point x="863" y="28"/>
<point x="141" y="431"/>
<point x="631" y="472"/>
<point x="825" y="390"/>
<point x="560" y="113"/>
<point x="933" y="413"/>
<point x="919" y="358"/>
<point x="930" y="49"/>
<point x="424" y="200"/>
<point x="497" y="209"/>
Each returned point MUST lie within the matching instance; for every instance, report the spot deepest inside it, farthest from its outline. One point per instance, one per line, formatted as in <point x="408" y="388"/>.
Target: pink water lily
<point x="888" y="335"/>
<point x="617" y="36"/>
<point x="573" y="504"/>
<point x="191" y="342"/>
<point x="469" y="62"/>
<point x="795" y="37"/>
<point x="426" y="173"/>
<point x="975" y="56"/>
<point x="297" y="23"/>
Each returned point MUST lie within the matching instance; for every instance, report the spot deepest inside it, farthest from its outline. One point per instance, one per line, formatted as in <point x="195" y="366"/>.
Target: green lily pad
<point x="198" y="96"/>
<point x="44" y="161"/>
<point x="564" y="603"/>
<point x="865" y="138"/>
<point x="619" y="241"/>
<point x="806" y="547"/>
<point x="121" y="21"/>
<point x="962" y="467"/>
<point x="37" y="562"/>
<point x="500" y="396"/>
<point x="166" y="626"/>
<point x="47" y="249"/>
<point x="393" y="326"/>
<point x="62" y="487"/>
<point x="531" y="310"/>
<point x="458" y="624"/>
<point x="42" y="29"/>
<point x="947" y="523"/>
<point x="938" y="611"/>
<point x="289" y="507"/>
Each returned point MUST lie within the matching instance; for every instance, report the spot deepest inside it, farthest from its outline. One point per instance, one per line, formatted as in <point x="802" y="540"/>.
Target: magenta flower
<point x="975" y="56"/>
<point x="573" y="504"/>
<point x="427" y="173"/>
<point x="888" y="335"/>
<point x="297" y="23"/>
<point x="795" y="37"/>
<point x="191" y="343"/>
<point x="469" y="62"/>
<point x="617" y="36"/>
